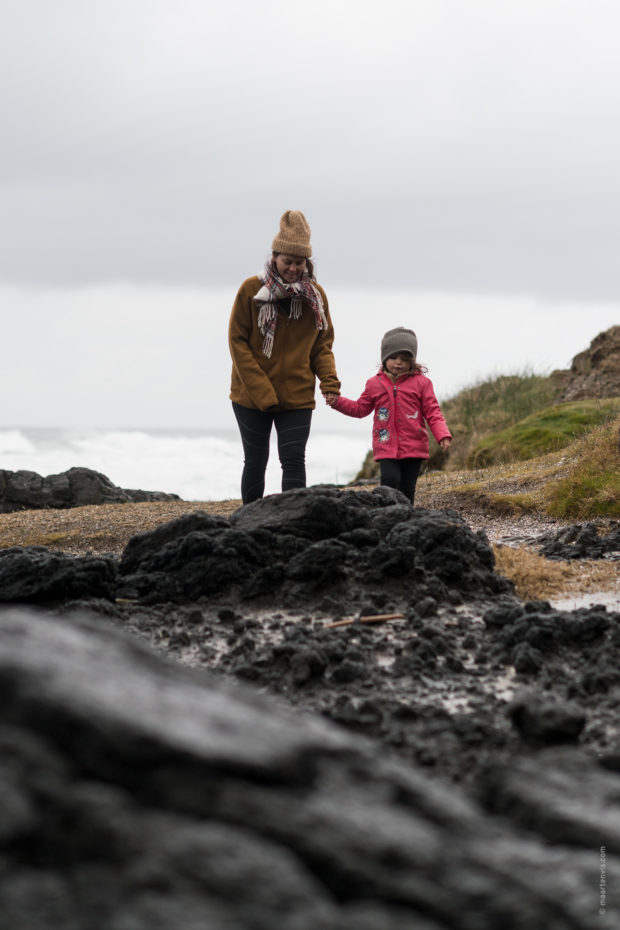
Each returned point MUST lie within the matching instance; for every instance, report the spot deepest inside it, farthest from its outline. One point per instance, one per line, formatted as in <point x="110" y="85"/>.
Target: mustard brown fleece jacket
<point x="301" y="353"/>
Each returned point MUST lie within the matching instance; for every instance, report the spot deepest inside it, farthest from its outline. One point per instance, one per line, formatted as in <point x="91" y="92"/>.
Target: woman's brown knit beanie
<point x="294" y="235"/>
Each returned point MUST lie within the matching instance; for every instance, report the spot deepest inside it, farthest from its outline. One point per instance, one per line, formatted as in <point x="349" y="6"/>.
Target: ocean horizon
<point x="196" y="464"/>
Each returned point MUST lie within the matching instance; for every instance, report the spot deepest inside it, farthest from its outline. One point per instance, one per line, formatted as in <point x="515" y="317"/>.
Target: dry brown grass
<point x="592" y="487"/>
<point x="579" y="482"/>
<point x="100" y="528"/>
<point x="537" y="578"/>
<point x="514" y="489"/>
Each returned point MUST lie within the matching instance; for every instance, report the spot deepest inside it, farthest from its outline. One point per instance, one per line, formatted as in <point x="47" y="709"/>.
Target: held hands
<point x="330" y="399"/>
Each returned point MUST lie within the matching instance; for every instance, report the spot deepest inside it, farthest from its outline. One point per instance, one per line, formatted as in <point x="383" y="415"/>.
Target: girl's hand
<point x="330" y="399"/>
<point x="444" y="443"/>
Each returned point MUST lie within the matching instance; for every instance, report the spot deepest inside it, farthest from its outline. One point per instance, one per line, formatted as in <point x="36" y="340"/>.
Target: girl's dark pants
<point x="293" y="429"/>
<point x="401" y="474"/>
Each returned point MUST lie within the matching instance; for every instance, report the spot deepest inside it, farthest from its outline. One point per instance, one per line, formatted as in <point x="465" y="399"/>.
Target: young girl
<point x="403" y="400"/>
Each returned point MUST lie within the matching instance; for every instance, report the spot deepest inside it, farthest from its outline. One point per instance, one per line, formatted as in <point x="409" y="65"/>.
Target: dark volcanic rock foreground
<point x="449" y="688"/>
<point x="140" y="794"/>
<point x="455" y="764"/>
<point x="35" y="575"/>
<point x="298" y="547"/>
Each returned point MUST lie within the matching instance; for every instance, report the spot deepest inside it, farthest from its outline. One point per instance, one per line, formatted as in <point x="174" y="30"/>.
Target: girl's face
<point x="399" y="363"/>
<point x="290" y="267"/>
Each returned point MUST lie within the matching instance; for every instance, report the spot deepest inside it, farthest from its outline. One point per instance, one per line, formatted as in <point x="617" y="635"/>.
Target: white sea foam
<point x="13" y="442"/>
<point x="197" y="465"/>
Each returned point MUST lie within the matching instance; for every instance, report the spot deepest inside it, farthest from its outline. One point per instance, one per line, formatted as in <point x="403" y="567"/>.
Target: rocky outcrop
<point x="345" y="549"/>
<point x="594" y="372"/>
<point x="77" y="487"/>
<point x="34" y="575"/>
<point x="297" y="547"/>
<point x="139" y="794"/>
<point x="581" y="541"/>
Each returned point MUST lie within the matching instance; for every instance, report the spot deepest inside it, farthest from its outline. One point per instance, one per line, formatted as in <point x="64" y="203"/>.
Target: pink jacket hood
<point x="401" y="410"/>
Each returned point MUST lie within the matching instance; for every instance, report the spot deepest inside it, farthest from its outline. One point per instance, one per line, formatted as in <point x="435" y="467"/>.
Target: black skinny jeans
<point x="293" y="429"/>
<point x="401" y="474"/>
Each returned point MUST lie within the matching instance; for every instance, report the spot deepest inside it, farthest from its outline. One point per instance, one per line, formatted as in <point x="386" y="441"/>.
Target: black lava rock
<point x="544" y="722"/>
<point x="34" y="575"/>
<point x="304" y="544"/>
<point x="581" y="542"/>
<point x="76" y="487"/>
<point x="137" y="793"/>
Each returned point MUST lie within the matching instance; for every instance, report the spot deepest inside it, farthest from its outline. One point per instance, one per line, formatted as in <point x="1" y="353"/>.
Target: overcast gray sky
<point x="457" y="161"/>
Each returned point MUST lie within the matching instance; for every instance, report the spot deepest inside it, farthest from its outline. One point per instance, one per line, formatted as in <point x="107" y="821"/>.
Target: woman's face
<point x="290" y="267"/>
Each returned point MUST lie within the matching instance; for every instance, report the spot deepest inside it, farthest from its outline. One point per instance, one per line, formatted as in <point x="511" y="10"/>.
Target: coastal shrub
<point x="369" y="469"/>
<point x="546" y="431"/>
<point x="592" y="487"/>
<point x="493" y="405"/>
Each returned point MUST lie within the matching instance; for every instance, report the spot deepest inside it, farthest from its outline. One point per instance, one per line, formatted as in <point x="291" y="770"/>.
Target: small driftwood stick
<point x="370" y="618"/>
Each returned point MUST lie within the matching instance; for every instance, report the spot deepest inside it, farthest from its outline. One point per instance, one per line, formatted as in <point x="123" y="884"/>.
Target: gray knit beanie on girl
<point x="398" y="340"/>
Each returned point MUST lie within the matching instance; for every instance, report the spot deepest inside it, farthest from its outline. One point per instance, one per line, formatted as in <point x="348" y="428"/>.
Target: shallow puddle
<point x="609" y="599"/>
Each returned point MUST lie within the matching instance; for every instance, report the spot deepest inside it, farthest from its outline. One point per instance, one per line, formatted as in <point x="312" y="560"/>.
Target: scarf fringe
<point x="268" y="344"/>
<point x="265" y="315"/>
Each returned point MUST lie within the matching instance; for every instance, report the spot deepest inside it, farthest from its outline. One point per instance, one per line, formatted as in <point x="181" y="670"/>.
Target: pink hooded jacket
<point x="401" y="409"/>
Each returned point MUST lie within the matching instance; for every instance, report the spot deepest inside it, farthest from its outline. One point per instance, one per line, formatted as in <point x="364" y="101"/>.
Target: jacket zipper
<point x="279" y="393"/>
<point x="396" y="423"/>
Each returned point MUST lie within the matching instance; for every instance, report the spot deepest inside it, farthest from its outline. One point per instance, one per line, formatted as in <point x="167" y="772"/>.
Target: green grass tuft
<point x="592" y="488"/>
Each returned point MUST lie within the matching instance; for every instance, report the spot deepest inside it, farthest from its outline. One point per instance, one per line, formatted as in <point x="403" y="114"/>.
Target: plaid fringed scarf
<point x="273" y="289"/>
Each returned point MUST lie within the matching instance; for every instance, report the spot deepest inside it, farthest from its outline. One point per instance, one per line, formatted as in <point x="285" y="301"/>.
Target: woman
<point x="280" y="337"/>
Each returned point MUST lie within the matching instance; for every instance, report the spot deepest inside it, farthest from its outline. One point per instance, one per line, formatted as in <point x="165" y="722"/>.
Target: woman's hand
<point x="445" y="443"/>
<point x="330" y="399"/>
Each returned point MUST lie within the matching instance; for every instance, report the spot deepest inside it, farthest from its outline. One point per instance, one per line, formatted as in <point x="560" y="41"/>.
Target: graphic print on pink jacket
<point x="401" y="410"/>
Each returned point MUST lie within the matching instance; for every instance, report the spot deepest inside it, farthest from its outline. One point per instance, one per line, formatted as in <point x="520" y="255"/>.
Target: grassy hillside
<point x="592" y="486"/>
<point x="490" y="407"/>
<point x="545" y="431"/>
<point x="579" y="482"/>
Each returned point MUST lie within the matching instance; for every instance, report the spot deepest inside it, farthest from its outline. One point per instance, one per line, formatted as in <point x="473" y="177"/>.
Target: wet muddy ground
<point x="452" y="682"/>
<point x="448" y="688"/>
